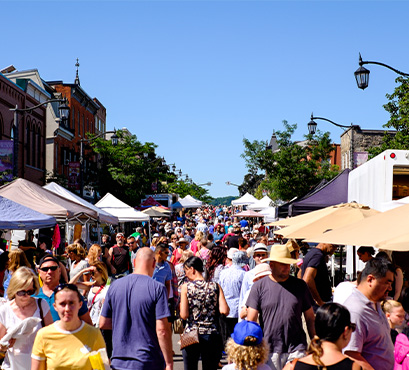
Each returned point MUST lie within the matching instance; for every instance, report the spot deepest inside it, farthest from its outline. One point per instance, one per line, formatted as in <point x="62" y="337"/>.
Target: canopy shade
<point x="156" y="212"/>
<point x="245" y="200"/>
<point x="263" y="203"/>
<point x="44" y="201"/>
<point x="325" y="194"/>
<point x="248" y="213"/>
<point x="14" y="216"/>
<point x="187" y="202"/>
<point x="338" y="216"/>
<point x="370" y="231"/>
<point x="63" y="192"/>
<point x="123" y="211"/>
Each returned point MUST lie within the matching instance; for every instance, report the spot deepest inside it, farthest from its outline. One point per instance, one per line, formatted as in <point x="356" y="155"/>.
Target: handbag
<point x="192" y="336"/>
<point x="178" y="326"/>
<point x="189" y="338"/>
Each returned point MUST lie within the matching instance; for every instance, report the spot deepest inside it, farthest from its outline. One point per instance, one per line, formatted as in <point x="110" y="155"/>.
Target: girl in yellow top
<point x="66" y="344"/>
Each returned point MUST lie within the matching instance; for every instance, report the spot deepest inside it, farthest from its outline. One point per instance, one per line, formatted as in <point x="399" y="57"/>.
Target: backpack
<point x="401" y="352"/>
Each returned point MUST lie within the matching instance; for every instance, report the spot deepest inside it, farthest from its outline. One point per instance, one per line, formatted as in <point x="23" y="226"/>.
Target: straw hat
<point x="280" y="253"/>
<point x="292" y="245"/>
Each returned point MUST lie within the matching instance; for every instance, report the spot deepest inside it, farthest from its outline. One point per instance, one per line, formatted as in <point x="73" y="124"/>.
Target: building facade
<point x="29" y="135"/>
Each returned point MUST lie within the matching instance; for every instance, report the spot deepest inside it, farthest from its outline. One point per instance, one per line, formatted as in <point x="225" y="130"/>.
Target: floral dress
<point x="202" y="297"/>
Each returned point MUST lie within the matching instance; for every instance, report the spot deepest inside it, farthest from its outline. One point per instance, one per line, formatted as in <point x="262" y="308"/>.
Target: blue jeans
<point x="209" y="349"/>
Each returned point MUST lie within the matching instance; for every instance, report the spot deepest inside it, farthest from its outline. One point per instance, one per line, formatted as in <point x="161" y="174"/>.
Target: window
<point x="73" y="118"/>
<point x="39" y="151"/>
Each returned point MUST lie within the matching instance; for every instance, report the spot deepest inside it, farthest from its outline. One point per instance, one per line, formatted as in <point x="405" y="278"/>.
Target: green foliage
<point x="293" y="169"/>
<point x="124" y="171"/>
<point x="186" y="188"/>
<point x="224" y="201"/>
<point x="398" y="108"/>
<point x="250" y="183"/>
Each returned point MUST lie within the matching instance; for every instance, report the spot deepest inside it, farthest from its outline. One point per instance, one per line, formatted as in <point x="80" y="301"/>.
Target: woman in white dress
<point x="23" y="284"/>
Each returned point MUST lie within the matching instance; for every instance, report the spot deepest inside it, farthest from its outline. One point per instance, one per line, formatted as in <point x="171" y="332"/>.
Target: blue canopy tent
<point x="14" y="216"/>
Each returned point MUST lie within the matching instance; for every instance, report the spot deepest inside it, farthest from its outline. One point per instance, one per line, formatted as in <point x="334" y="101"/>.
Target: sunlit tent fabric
<point x="156" y="212"/>
<point x="104" y="217"/>
<point x="44" y="201"/>
<point x="187" y="202"/>
<point x="324" y="195"/>
<point x="263" y="203"/>
<point x="125" y="213"/>
<point x="248" y="213"/>
<point x="245" y="200"/>
<point x="14" y="216"/>
<point x="269" y="214"/>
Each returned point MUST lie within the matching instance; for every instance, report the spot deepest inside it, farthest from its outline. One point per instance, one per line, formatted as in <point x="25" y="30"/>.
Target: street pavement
<point x="178" y="359"/>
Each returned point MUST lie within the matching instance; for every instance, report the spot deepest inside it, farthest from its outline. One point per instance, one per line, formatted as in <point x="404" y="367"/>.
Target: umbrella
<point x="371" y="231"/>
<point x="156" y="212"/>
<point x="338" y="216"/>
<point x="248" y="213"/>
<point x="398" y="243"/>
<point x="306" y="217"/>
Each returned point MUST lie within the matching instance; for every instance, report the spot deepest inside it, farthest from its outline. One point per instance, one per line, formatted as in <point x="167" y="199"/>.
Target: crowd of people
<point x="228" y="286"/>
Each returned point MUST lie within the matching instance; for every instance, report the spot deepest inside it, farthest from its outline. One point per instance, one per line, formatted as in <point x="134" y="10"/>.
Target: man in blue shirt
<point x="50" y="272"/>
<point x="162" y="272"/>
<point x="136" y="309"/>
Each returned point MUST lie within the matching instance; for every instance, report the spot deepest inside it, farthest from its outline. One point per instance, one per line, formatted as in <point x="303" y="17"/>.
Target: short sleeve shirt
<point x="162" y="272"/>
<point x="134" y="303"/>
<point x="315" y="258"/>
<point x="372" y="337"/>
<point x="280" y="306"/>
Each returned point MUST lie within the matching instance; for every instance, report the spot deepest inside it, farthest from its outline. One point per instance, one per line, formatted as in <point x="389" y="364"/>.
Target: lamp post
<point x="230" y="183"/>
<point x="64" y="113"/>
<point x="312" y="128"/>
<point x="206" y="184"/>
<point x="362" y="74"/>
<point x="114" y="141"/>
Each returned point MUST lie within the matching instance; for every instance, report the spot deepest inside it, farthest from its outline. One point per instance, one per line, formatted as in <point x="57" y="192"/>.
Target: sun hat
<point x="292" y="245"/>
<point x="245" y="329"/>
<point x="240" y="258"/>
<point x="182" y="240"/>
<point x="260" y="247"/>
<point x="280" y="253"/>
<point x="231" y="252"/>
<point x="263" y="269"/>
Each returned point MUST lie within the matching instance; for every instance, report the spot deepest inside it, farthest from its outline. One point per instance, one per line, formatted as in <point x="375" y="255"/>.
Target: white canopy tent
<point x="189" y="198"/>
<point x="103" y="216"/>
<point x="263" y="203"/>
<point x="187" y="202"/>
<point x="123" y="211"/>
<point x="269" y="214"/>
<point x="245" y="200"/>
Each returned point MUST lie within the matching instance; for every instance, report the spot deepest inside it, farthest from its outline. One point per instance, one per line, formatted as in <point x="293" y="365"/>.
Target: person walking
<point x="136" y="309"/>
<point x="199" y="303"/>
<point x="281" y="299"/>
<point x="333" y="329"/>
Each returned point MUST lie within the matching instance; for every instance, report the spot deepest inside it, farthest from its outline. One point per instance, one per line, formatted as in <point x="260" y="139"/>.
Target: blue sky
<point x="196" y="77"/>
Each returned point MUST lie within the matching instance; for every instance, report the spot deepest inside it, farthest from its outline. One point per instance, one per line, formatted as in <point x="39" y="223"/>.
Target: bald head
<point x="144" y="262"/>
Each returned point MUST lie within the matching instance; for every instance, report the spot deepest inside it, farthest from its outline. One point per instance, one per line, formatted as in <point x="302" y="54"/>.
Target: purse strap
<point x="41" y="312"/>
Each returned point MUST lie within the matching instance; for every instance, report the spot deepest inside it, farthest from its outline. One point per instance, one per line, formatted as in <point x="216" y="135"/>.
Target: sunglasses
<point x="60" y="287"/>
<point x="352" y="326"/>
<point x="22" y="293"/>
<point x="45" y="269"/>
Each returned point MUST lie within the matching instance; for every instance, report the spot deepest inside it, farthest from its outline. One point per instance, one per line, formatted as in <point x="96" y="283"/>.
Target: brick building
<point x="31" y="129"/>
<point x="355" y="143"/>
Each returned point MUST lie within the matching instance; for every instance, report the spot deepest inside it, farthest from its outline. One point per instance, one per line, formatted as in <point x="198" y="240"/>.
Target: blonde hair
<point x="185" y="255"/>
<point x="389" y="305"/>
<point x="199" y="235"/>
<point x="102" y="269"/>
<point x="93" y="253"/>
<point x="21" y="280"/>
<point x="247" y="357"/>
<point x="155" y="242"/>
<point x="77" y="249"/>
<point x="17" y="258"/>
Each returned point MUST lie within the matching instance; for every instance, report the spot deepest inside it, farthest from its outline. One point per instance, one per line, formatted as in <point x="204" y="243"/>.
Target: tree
<point x="293" y="169"/>
<point x="398" y="108"/>
<point x="125" y="171"/>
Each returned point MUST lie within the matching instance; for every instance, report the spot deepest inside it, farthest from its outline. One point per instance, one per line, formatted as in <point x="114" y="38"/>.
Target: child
<point x="395" y="314"/>
<point x="246" y="348"/>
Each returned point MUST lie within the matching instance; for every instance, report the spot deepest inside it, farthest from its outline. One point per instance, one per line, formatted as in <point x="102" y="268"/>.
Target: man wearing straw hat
<point x="280" y="300"/>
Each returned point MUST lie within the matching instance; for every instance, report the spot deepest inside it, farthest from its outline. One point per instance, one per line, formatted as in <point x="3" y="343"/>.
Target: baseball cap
<point x="245" y="329"/>
<point x="47" y="258"/>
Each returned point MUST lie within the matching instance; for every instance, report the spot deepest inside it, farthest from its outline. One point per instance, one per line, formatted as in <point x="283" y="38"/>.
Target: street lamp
<point x="230" y="183"/>
<point x="64" y="113"/>
<point x="114" y="141"/>
<point x="312" y="127"/>
<point x="206" y="184"/>
<point x="362" y="74"/>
